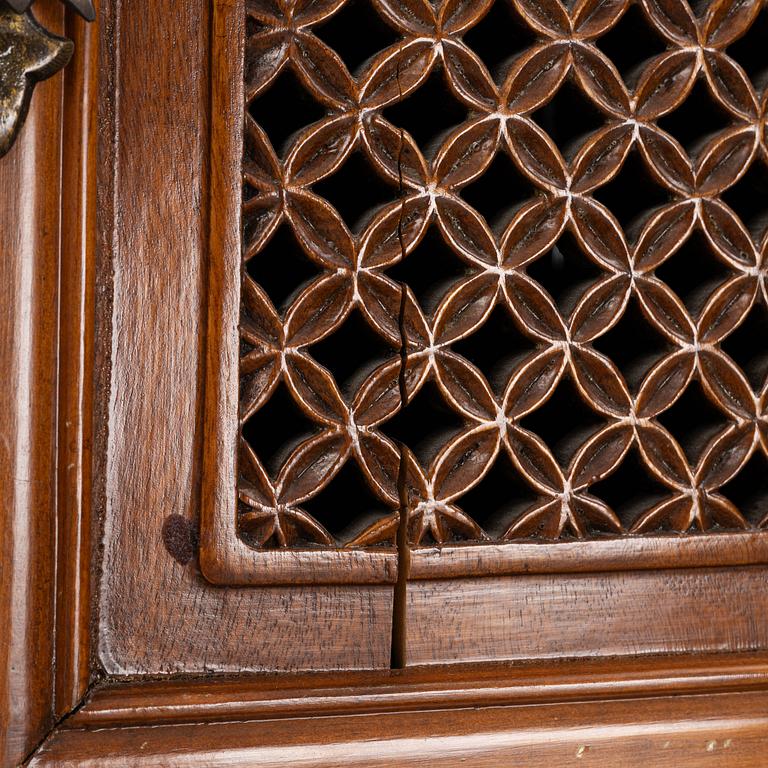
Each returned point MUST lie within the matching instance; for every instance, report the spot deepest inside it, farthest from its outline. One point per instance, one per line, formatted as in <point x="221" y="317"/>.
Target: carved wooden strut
<point x="28" y="54"/>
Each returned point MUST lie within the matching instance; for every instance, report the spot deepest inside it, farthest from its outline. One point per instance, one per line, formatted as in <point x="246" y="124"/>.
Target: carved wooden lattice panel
<point x="504" y="265"/>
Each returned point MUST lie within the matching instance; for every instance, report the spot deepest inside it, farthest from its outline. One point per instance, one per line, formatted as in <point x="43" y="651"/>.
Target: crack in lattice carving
<point x="610" y="194"/>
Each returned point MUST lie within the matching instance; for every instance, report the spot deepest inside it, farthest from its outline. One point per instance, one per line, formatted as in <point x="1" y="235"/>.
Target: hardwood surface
<point x="102" y="425"/>
<point x="609" y="614"/>
<point x="162" y="702"/>
<point x="29" y="253"/>
<point x="75" y="577"/>
<point x="157" y="615"/>
<point x="618" y="712"/>
<point x="723" y="730"/>
<point x="608" y="554"/>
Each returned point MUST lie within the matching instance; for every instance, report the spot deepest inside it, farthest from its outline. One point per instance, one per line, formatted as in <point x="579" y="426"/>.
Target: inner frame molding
<point x="635" y="432"/>
<point x="224" y="557"/>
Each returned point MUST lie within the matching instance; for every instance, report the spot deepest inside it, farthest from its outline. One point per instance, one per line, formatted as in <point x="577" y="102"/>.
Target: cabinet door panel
<point x="392" y="358"/>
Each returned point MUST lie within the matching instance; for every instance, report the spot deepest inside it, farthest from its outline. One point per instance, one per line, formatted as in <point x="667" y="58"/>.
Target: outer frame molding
<point x="46" y="242"/>
<point x="650" y="712"/>
<point x="75" y="581"/>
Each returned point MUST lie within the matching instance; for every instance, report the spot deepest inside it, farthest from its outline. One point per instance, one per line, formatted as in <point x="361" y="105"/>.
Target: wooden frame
<point x="47" y="242"/>
<point x="224" y="557"/>
<point x="693" y="710"/>
<point x="630" y="713"/>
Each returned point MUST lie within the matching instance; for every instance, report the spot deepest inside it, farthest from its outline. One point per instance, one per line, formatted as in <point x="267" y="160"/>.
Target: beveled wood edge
<point x="726" y="730"/>
<point x="218" y="535"/>
<point x="175" y="701"/>
<point x="76" y="366"/>
<point x="245" y="567"/>
<point x="224" y="558"/>
<point x="625" y="553"/>
<point x="680" y="709"/>
<point x="43" y="687"/>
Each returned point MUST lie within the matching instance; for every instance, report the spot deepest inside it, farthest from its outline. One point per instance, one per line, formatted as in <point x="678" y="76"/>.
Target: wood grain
<point x="157" y="615"/>
<point x="29" y="253"/>
<point x="265" y="697"/>
<point x="608" y="554"/>
<point x="578" y="615"/>
<point x="224" y="557"/>
<point x="75" y="357"/>
<point x="723" y="730"/>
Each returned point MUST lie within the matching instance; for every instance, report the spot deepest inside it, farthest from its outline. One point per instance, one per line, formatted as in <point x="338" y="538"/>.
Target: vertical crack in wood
<point x="398" y="646"/>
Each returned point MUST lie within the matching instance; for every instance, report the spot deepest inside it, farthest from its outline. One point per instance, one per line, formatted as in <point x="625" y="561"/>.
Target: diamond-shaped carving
<point x="284" y="109"/>
<point x="631" y="489"/>
<point x="277" y="428"/>
<point x="369" y="191"/>
<point x="297" y="271"/>
<point x="430" y="269"/>
<point x="752" y="358"/>
<point x="749" y="50"/>
<point x="569" y="117"/>
<point x="425" y="424"/>
<point x="697" y="119"/>
<point x="694" y="420"/>
<point x="564" y="422"/>
<point x="352" y="352"/>
<point x="631" y="43"/>
<point x="499" y="191"/>
<point x="499" y="37"/>
<point x="747" y="198"/>
<point x="634" y="344"/>
<point x="497" y="348"/>
<point x="371" y="34"/>
<point x="633" y="194"/>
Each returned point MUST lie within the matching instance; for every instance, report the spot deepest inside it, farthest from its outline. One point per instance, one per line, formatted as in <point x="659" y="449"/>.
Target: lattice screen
<point x="521" y="245"/>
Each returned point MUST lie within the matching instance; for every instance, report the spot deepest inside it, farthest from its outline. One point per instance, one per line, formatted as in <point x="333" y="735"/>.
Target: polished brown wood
<point x="727" y="731"/>
<point x="607" y="554"/>
<point x="640" y="712"/>
<point x="161" y="356"/>
<point x="158" y="615"/>
<point x="163" y="702"/>
<point x="109" y="424"/>
<point x="29" y="254"/>
<point x="576" y="615"/>
<point x="75" y="576"/>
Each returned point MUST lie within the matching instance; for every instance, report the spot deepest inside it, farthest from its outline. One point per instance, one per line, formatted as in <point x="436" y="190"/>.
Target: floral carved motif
<point x="551" y="319"/>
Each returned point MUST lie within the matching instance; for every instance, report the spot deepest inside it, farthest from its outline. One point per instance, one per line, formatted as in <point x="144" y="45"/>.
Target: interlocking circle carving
<point x="556" y="306"/>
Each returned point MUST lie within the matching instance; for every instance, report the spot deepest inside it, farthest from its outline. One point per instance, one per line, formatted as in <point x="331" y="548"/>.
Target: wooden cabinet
<point x="394" y="358"/>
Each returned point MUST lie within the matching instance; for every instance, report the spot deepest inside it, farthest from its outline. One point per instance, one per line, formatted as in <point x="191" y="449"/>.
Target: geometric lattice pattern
<point x="504" y="267"/>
